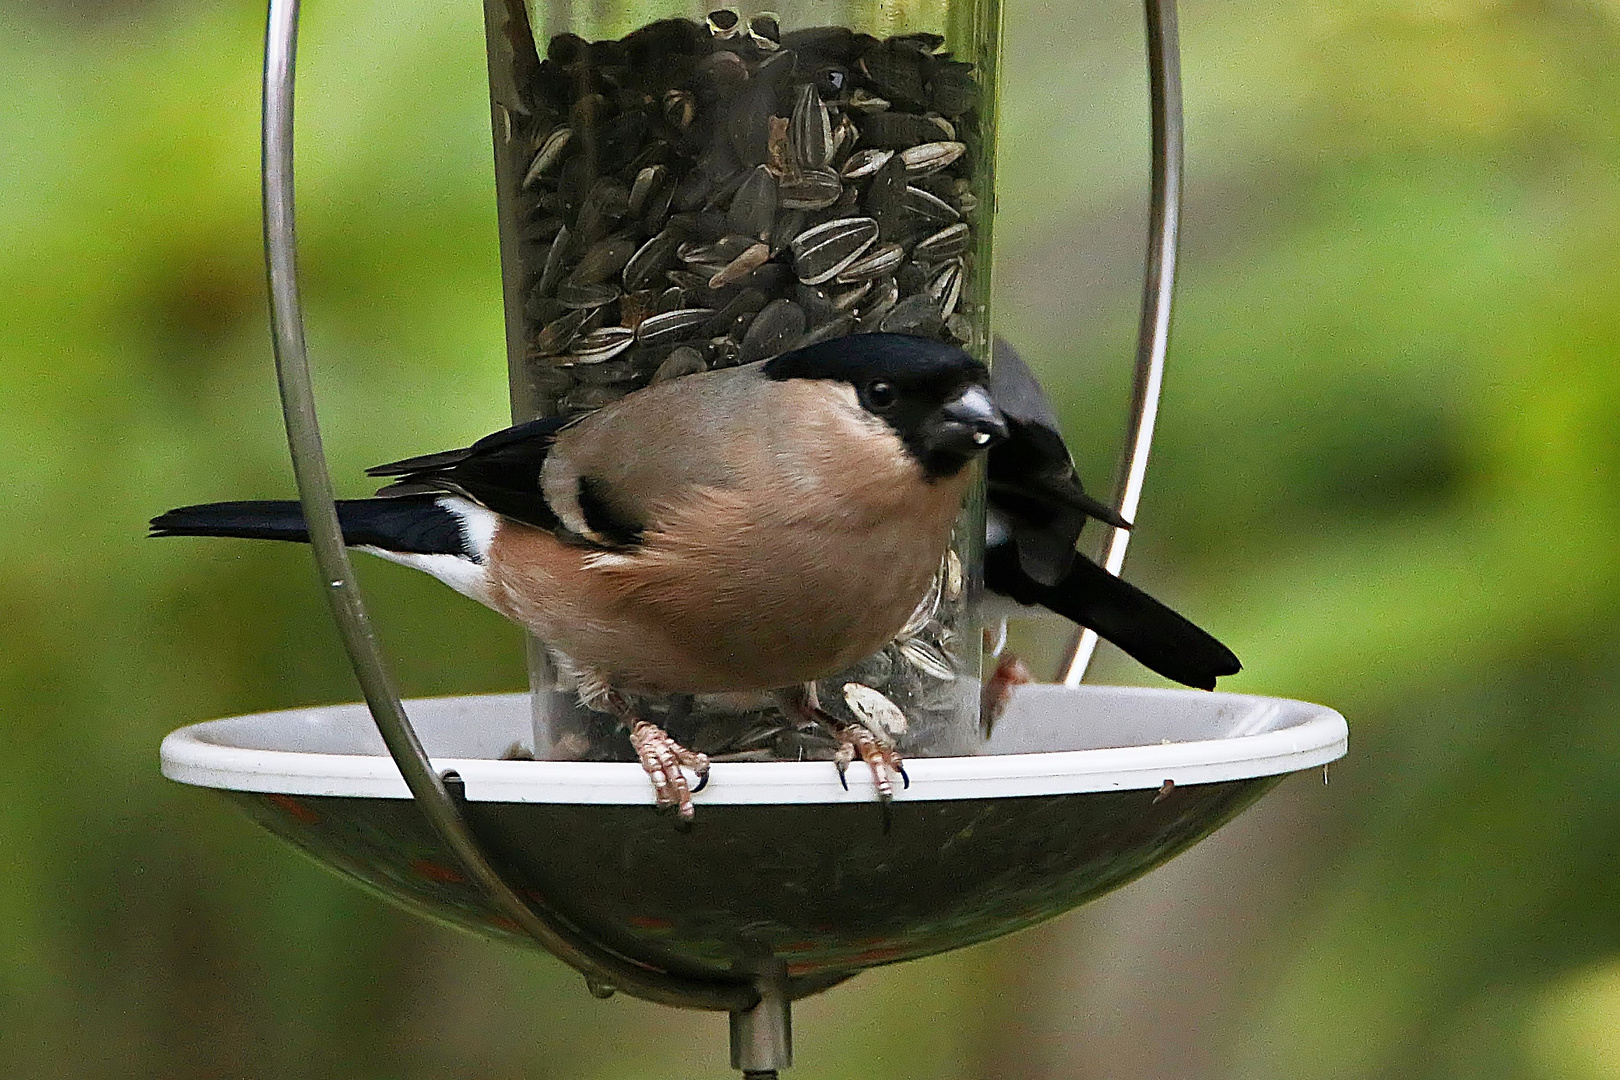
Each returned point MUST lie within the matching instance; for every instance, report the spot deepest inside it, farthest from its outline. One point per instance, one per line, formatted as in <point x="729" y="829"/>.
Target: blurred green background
<point x="1389" y="476"/>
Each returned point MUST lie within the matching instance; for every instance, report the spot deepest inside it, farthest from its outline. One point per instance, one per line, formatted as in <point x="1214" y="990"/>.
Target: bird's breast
<point x="771" y="581"/>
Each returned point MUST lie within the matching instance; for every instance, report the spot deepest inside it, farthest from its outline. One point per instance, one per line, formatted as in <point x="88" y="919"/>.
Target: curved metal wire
<point x="1158" y="287"/>
<point x="601" y="968"/>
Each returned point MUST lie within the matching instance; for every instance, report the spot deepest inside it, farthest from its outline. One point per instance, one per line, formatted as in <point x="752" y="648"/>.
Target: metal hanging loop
<point x="598" y="965"/>
<point x="1158" y="287"/>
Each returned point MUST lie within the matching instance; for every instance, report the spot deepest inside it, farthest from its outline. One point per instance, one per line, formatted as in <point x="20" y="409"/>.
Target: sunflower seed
<point x="953" y="90"/>
<point x="736" y="315"/>
<point x="603" y="260"/>
<point x="886" y="198"/>
<point x="680" y="109"/>
<point x="863" y="100"/>
<point x="789" y="224"/>
<point x="918" y="314"/>
<point x="615" y="372"/>
<point x="670" y="299"/>
<point x="750" y="260"/>
<point x="816" y="303"/>
<point x="646" y="181"/>
<point x="557" y="335"/>
<point x="812" y="189"/>
<point x="931" y="157"/>
<point x="725" y="24"/>
<point x="573" y="295"/>
<point x="850" y="299"/>
<point x="876" y="713"/>
<point x="765" y="31"/>
<point x="773" y="328"/>
<point x="896" y="72"/>
<point x="820" y="253"/>
<point x="686" y="279"/>
<point x="945" y="288"/>
<point x="923" y="613"/>
<point x="554" y="262"/>
<point x="928" y="659"/>
<point x="717" y="253"/>
<point x="952" y="580"/>
<point x="845" y="135"/>
<point x="874" y="264"/>
<point x="550" y="152"/>
<point x="948" y="243"/>
<point x="602" y="344"/>
<point x="683" y="361"/>
<point x="930" y="208"/>
<point x="835" y="328"/>
<point x="810" y="130"/>
<point x="649" y="259"/>
<point x="635" y="307"/>
<point x="863" y="163"/>
<point x="753" y="207"/>
<point x="672" y="325"/>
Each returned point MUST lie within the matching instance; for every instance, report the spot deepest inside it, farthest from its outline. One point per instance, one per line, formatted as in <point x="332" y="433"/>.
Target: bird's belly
<point x="736" y="607"/>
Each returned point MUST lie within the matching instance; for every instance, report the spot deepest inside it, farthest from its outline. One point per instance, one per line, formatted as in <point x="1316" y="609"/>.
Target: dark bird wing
<point x="1033" y="485"/>
<point x="500" y="471"/>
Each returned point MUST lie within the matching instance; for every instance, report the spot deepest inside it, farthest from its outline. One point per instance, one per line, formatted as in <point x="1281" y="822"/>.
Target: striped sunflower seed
<point x="672" y="325"/>
<point x="650" y="260"/>
<point x="811" y="189"/>
<point x="863" y="163"/>
<point x="550" y="152"/>
<point x="948" y="243"/>
<point x="821" y="252"/>
<point x="931" y="157"/>
<point x="810" y="129"/>
<point x="601" y="344"/>
<point x="874" y="264"/>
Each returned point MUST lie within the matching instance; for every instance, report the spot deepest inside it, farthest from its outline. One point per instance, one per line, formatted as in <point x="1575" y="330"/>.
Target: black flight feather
<point x="416" y="525"/>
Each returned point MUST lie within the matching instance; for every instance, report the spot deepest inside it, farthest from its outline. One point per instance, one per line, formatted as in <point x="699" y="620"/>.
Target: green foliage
<point x="1389" y="475"/>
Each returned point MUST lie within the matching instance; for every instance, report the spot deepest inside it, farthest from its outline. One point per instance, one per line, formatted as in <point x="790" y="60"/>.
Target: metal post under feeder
<point x="787" y="883"/>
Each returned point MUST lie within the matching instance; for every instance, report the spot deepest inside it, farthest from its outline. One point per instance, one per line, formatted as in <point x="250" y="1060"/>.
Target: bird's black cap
<point x="931" y="394"/>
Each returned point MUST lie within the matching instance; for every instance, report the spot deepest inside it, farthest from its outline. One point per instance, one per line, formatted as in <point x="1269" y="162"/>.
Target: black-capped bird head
<point x="933" y="395"/>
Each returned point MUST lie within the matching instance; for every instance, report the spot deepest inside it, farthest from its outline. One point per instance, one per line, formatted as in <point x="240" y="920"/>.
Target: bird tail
<point x="417" y="524"/>
<point x="1148" y="631"/>
<point x="1151" y="633"/>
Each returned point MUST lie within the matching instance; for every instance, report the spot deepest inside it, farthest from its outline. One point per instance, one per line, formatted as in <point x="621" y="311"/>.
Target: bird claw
<point x="997" y="692"/>
<point x="855" y="740"/>
<point x="662" y="758"/>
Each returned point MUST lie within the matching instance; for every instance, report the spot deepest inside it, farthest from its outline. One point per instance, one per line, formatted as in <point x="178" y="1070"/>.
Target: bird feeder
<point x="680" y="190"/>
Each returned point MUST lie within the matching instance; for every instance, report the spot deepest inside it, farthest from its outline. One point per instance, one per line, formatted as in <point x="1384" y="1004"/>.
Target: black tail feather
<point x="1151" y="633"/>
<point x="414" y="524"/>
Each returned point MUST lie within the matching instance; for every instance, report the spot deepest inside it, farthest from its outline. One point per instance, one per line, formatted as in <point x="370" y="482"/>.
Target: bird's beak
<point x="967" y="424"/>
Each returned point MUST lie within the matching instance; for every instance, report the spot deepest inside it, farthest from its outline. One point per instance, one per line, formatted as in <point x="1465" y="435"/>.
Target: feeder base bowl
<point x="1078" y="792"/>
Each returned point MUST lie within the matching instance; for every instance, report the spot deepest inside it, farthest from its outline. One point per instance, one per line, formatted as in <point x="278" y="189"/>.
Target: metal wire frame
<point x="1158" y="287"/>
<point x="602" y="969"/>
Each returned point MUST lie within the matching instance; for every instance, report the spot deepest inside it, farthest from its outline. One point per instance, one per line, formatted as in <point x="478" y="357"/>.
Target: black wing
<point x="500" y="471"/>
<point x="1032" y="480"/>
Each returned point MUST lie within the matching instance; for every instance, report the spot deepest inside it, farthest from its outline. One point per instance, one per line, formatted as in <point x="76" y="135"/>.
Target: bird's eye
<point x="879" y="395"/>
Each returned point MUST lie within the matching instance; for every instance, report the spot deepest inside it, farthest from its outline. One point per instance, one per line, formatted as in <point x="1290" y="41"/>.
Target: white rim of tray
<point x="200" y="756"/>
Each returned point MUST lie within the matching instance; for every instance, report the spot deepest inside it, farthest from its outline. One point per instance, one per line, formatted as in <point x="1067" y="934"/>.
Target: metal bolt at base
<point x="762" y="1037"/>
